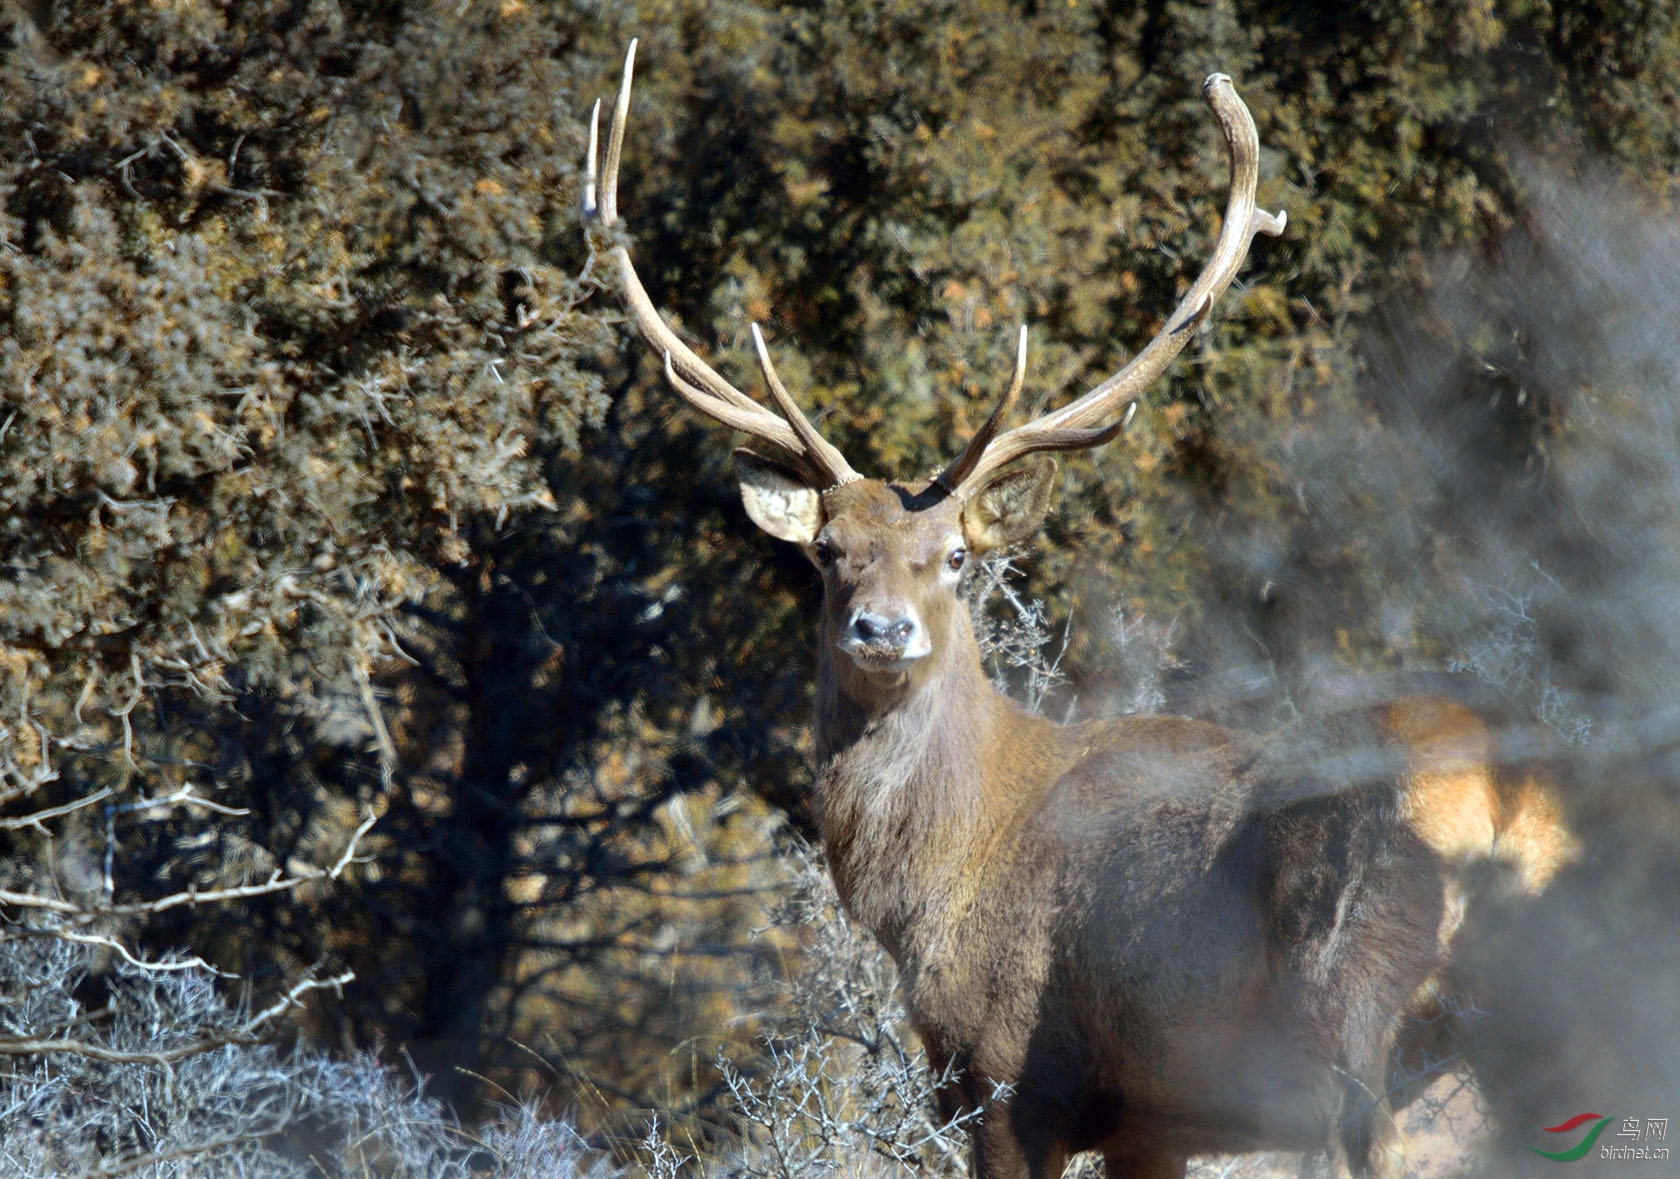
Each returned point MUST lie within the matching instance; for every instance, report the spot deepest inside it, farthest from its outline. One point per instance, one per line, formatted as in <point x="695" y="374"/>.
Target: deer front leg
<point x="1366" y="1142"/>
<point x="1018" y="1138"/>
<point x="1001" y="1152"/>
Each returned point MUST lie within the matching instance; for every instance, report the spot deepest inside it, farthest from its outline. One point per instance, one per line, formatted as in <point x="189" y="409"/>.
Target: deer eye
<point x="956" y="560"/>
<point x="823" y="552"/>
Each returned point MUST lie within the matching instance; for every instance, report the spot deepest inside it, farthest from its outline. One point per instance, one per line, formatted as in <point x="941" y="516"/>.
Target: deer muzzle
<point x="885" y="640"/>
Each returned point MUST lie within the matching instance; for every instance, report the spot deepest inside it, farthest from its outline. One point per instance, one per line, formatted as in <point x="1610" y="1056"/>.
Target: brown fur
<point x="1161" y="936"/>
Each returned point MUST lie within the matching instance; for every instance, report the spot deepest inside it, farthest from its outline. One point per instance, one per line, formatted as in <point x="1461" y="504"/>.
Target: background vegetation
<point x="368" y="609"/>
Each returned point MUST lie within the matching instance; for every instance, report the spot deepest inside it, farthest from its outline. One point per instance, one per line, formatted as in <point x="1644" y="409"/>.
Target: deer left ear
<point x="1010" y="506"/>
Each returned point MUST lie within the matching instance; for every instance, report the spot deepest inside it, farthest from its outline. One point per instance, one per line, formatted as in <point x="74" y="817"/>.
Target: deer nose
<point x="890" y="637"/>
<point x="878" y="630"/>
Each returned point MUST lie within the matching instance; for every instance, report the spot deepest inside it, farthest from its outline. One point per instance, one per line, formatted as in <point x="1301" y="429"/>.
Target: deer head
<point x="891" y="553"/>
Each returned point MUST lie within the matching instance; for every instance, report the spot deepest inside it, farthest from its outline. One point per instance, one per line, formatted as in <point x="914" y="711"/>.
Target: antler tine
<point x="953" y="475"/>
<point x="1016" y="445"/>
<point x="1066" y="428"/>
<point x="615" y="137"/>
<point x="692" y="378"/>
<point x="591" y="210"/>
<point x="749" y="421"/>
<point x="831" y="464"/>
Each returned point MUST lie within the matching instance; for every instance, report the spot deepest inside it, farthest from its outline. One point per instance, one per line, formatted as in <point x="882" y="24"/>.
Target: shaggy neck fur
<point x="906" y="767"/>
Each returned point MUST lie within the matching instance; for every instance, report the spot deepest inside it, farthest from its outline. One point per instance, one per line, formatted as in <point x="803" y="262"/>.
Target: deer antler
<point x="695" y="381"/>
<point x="1077" y="425"/>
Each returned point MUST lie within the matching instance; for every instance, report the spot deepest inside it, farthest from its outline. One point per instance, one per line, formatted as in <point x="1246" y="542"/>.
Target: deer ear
<point x="778" y="498"/>
<point x="1009" y="507"/>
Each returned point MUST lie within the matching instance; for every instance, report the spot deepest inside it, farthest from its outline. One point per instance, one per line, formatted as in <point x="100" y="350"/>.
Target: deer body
<point x="1138" y="941"/>
<point x="1162" y="936"/>
<point x="1148" y="936"/>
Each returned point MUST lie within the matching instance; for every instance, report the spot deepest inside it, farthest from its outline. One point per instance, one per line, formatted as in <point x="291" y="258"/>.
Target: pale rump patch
<point x="1455" y="799"/>
<point x="1533" y="837"/>
<point x="1450" y="798"/>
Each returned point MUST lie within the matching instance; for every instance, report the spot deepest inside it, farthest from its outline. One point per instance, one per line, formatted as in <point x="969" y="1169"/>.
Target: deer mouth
<point x="880" y="657"/>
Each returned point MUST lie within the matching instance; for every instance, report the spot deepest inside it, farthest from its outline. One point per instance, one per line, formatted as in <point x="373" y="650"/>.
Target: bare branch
<point x="91" y="939"/>
<point x="37" y="819"/>
<point x="292" y="998"/>
<point x="183" y="797"/>
<point x="193" y="897"/>
<point x="248" y="1032"/>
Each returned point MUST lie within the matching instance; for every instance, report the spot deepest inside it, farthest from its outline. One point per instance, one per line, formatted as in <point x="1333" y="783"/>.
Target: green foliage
<point x="268" y="340"/>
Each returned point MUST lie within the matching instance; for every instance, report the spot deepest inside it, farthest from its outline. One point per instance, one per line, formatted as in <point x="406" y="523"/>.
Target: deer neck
<point x="920" y="776"/>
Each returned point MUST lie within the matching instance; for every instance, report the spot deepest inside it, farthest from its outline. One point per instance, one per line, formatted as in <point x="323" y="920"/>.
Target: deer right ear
<point x="778" y="498"/>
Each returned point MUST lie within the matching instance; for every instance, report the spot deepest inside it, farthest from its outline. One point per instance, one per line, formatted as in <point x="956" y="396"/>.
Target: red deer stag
<point x="1147" y="936"/>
